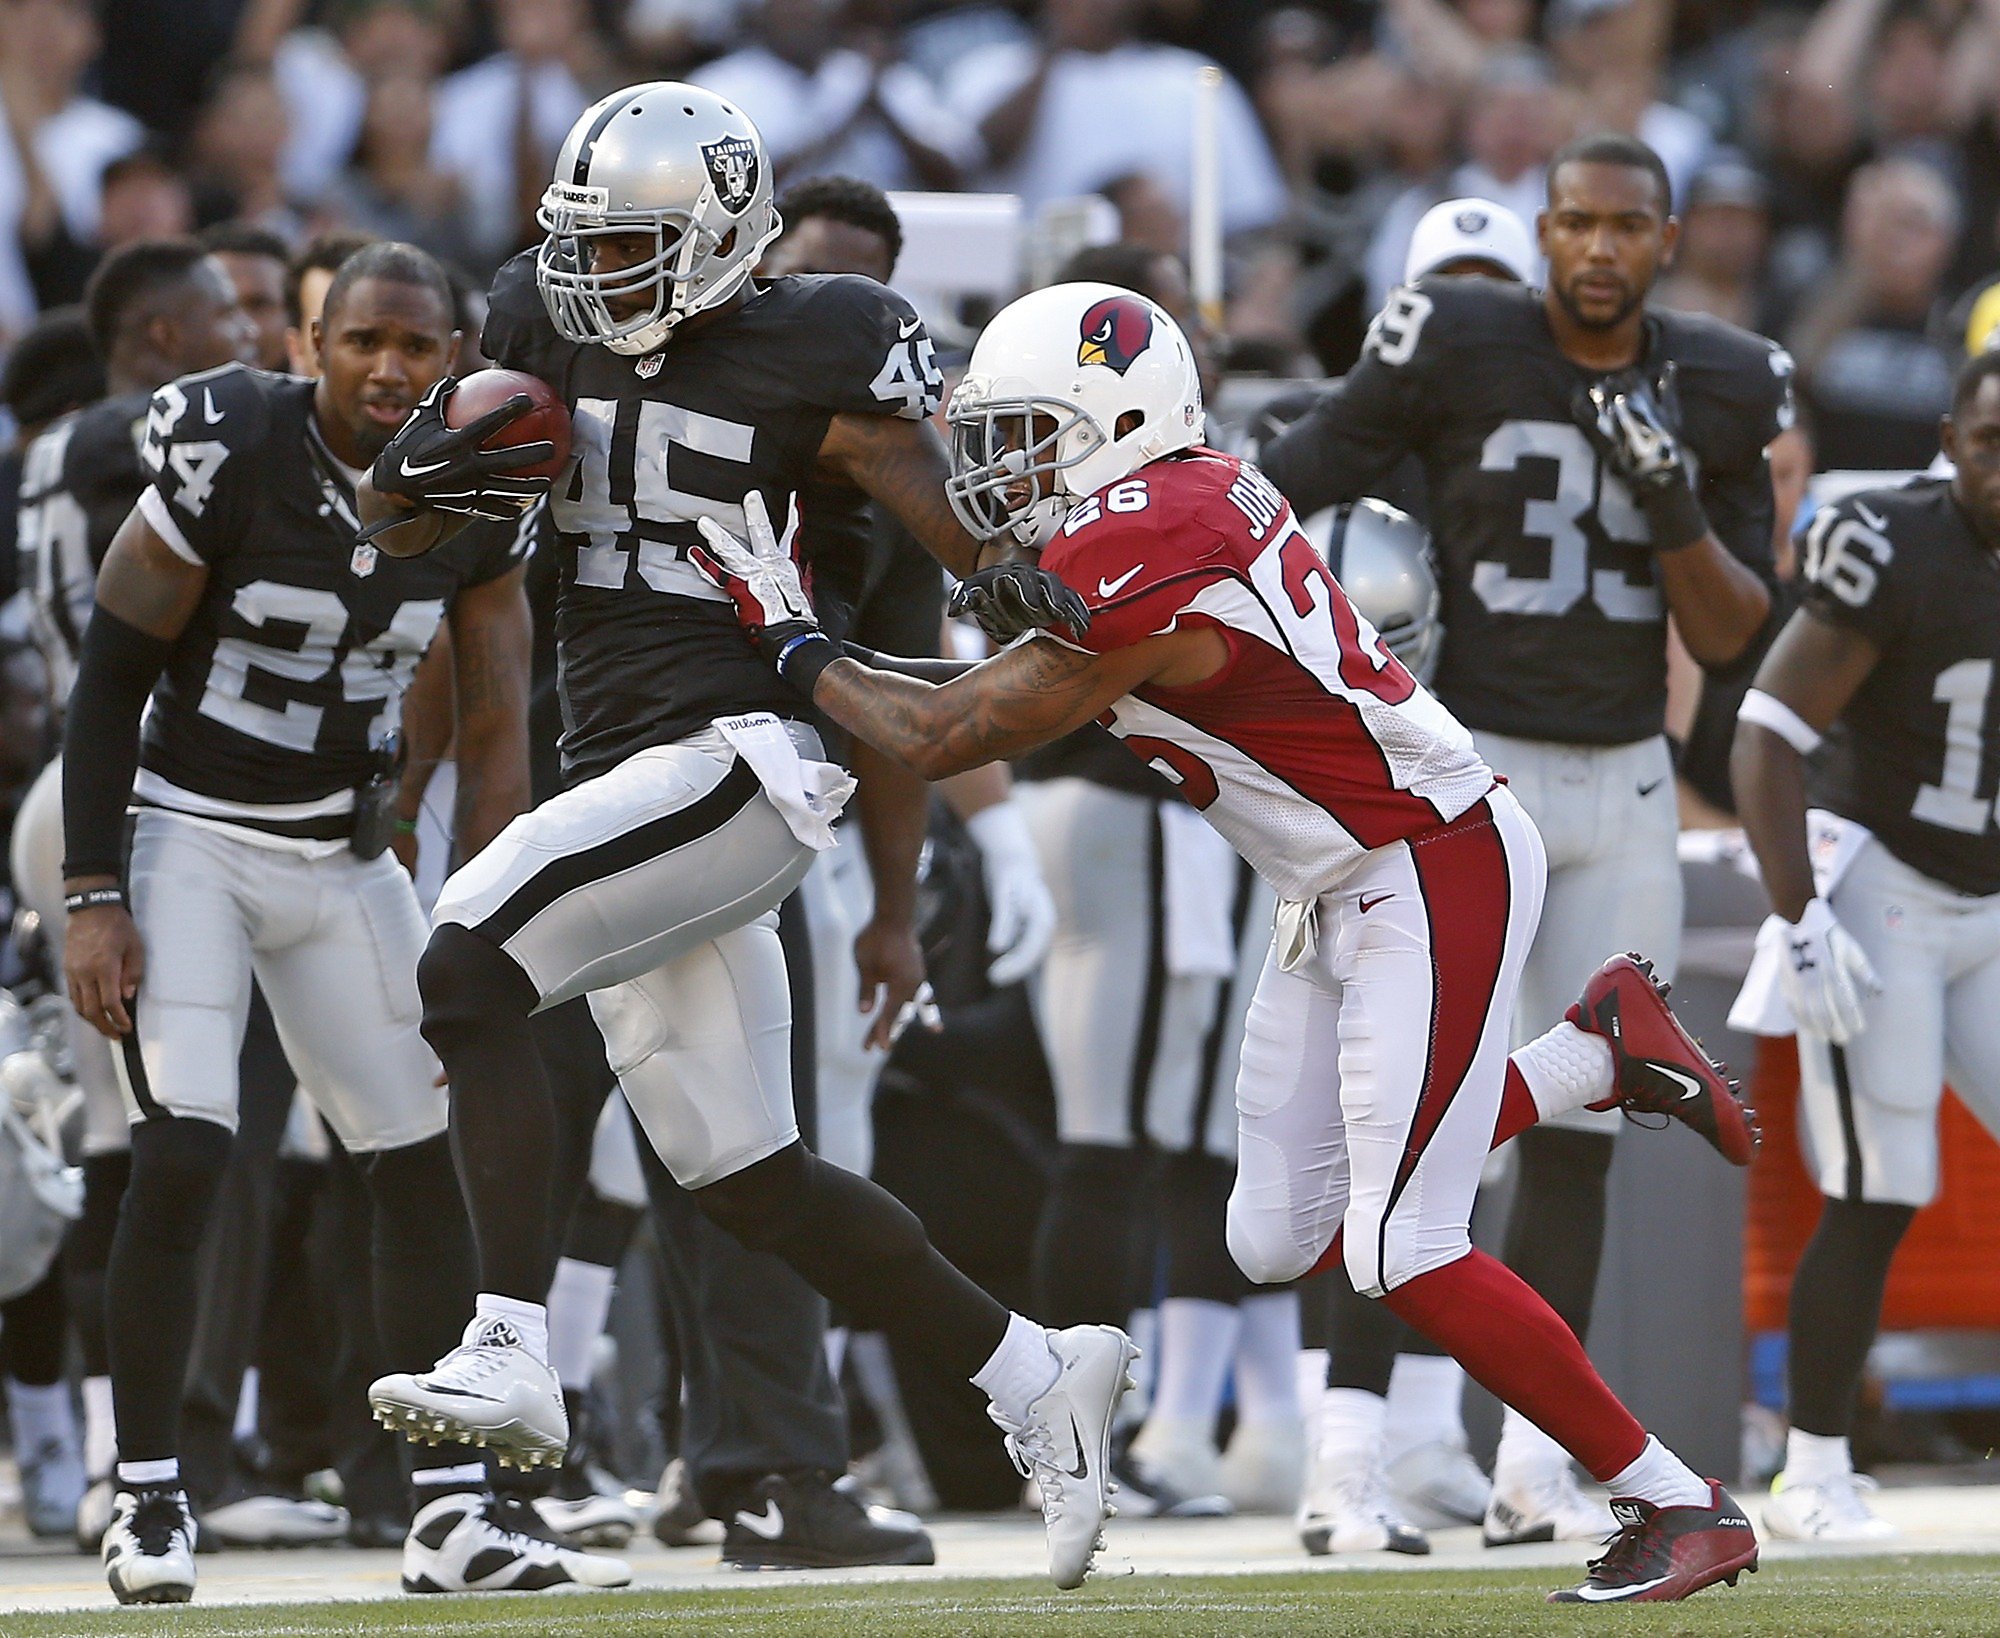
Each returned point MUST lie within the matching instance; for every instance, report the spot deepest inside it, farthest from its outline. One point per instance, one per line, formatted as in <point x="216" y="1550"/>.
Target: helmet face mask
<point x="1009" y="457"/>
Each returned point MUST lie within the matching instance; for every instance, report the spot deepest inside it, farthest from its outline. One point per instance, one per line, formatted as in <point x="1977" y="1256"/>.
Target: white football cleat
<point x="149" y="1547"/>
<point x="1181" y="1453"/>
<point x="1064" y="1446"/>
<point x="1545" y="1507"/>
<point x="589" y="1521"/>
<point x="1264" y="1469"/>
<point x="1437" y="1485"/>
<point x="487" y="1391"/>
<point x="1831" y="1510"/>
<point x="1347" y="1509"/>
<point x="276" y="1521"/>
<point x="465" y="1542"/>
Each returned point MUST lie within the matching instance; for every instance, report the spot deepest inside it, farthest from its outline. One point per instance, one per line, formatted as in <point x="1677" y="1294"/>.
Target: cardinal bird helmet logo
<point x="1114" y="332"/>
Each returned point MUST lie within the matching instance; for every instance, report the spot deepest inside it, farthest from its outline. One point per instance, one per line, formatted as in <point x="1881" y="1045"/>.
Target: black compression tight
<point x="88" y="1250"/>
<point x="1836" y="1308"/>
<point x="1555" y="1234"/>
<point x="1095" y="1201"/>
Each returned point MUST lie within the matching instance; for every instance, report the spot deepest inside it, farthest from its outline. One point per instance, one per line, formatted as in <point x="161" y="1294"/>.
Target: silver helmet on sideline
<point x="665" y="159"/>
<point x="1382" y="558"/>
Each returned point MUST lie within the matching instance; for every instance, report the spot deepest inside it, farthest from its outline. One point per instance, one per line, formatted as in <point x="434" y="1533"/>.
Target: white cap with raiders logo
<point x="1470" y="230"/>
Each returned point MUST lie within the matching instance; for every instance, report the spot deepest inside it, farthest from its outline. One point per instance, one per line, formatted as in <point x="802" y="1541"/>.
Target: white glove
<point x="1023" y="919"/>
<point x="759" y="574"/>
<point x="1826" y="975"/>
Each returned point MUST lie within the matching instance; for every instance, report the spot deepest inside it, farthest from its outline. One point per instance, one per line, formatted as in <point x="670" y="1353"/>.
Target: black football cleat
<point x="804" y="1522"/>
<point x="1660" y="1069"/>
<point x="1665" y="1553"/>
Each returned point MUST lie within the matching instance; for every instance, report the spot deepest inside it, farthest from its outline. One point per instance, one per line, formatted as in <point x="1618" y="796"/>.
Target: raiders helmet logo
<point x="732" y="167"/>
<point x="1470" y="222"/>
<point x="1114" y="332"/>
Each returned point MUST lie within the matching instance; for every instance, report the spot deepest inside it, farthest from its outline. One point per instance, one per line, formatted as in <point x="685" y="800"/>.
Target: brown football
<point x="488" y="389"/>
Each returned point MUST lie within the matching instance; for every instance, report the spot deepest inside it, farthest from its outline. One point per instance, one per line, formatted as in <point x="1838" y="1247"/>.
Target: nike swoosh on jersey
<point x="1368" y="904"/>
<point x="909" y="328"/>
<point x="1647" y="790"/>
<point x="1111" y="588"/>
<point x="209" y="412"/>
<point x="770" y="1524"/>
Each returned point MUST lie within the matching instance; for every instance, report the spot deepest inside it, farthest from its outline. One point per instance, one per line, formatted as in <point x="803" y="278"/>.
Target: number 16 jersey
<point x="1312" y="746"/>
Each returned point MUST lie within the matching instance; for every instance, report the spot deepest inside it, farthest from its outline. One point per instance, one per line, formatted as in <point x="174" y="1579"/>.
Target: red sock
<point x="1517" y="1114"/>
<point x="1514" y="1345"/>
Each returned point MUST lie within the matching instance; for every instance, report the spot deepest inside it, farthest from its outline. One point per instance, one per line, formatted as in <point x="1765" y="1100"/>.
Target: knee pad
<point x="1261" y="1244"/>
<point x="465" y="979"/>
<point x="177" y="1166"/>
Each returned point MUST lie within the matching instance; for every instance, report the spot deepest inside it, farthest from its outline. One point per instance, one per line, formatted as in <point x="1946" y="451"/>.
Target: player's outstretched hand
<point x="443" y="468"/>
<point x="1632" y="427"/>
<point x="771" y="603"/>
<point x="1011" y="598"/>
<point x="1826" y="975"/>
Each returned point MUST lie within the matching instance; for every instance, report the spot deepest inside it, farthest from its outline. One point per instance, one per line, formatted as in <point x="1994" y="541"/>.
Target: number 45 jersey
<point x="1915" y="757"/>
<point x="1555" y="628"/>
<point x="650" y="652"/>
<point x="291" y="671"/>
<point x="1312" y="746"/>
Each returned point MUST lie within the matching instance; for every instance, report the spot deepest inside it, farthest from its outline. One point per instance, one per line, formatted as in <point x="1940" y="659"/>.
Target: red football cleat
<point x="1661" y="1069"/>
<point x="1664" y="1553"/>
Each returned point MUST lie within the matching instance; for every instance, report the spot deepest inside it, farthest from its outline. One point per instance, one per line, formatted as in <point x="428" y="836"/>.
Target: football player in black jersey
<point x="1872" y="727"/>
<point x="697" y="793"/>
<point x="269" y="651"/>
<point x="1591" y="466"/>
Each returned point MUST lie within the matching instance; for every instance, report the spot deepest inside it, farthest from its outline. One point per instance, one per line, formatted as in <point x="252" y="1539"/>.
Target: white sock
<point x="100" y="1428"/>
<point x="579" y="1305"/>
<point x="1310" y="1374"/>
<point x="836" y="1349"/>
<point x="1350" y="1423"/>
<point x="1662" y="1478"/>
<point x="1426" y="1396"/>
<point x="1022" y="1369"/>
<point x="246" y="1406"/>
<point x="41" y="1414"/>
<point x="529" y="1319"/>
<point x="1527" y="1456"/>
<point x="1815" y="1458"/>
<point x="158" y="1474"/>
<point x="1197" y="1342"/>
<point x="1267" y="1352"/>
<point x="1566" y="1069"/>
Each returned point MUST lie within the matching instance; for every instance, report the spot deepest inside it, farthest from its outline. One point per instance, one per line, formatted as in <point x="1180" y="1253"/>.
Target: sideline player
<point x="1890" y="959"/>
<point x="1374" y="1068"/>
<point x="1565" y="536"/>
<point x="696" y="795"/>
<point x="268" y="652"/>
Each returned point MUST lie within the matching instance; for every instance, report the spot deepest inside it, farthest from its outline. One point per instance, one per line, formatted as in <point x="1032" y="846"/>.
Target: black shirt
<point x="1554" y="625"/>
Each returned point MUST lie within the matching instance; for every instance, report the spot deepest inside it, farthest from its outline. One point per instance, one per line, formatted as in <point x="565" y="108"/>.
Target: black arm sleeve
<point x="115" y="674"/>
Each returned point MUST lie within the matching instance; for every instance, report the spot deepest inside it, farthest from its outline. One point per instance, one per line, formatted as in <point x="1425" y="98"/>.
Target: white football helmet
<point x="1382" y="559"/>
<point x="662" y="158"/>
<point x="1051" y="378"/>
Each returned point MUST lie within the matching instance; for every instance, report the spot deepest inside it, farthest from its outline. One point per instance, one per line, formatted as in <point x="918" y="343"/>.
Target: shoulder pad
<point x="517" y="334"/>
<point x="1729" y="362"/>
<point x="230" y="405"/>
<point x="865" y="349"/>
<point x="1434" y="316"/>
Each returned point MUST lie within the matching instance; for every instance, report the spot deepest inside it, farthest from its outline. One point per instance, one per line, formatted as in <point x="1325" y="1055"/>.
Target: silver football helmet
<point x="665" y="159"/>
<point x="1382" y="558"/>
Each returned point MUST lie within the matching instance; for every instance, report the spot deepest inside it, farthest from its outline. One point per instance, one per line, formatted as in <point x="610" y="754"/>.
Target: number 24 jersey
<point x="1312" y="746"/>
<point x="1916" y="755"/>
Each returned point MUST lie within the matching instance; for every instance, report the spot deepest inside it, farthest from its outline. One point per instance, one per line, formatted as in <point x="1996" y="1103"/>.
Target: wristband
<point x="403" y="827"/>
<point x="1674" y="516"/>
<point x="804" y="657"/>
<point x="93" y="898"/>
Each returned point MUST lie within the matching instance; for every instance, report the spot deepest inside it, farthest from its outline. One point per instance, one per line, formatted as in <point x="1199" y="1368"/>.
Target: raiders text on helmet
<point x="667" y="160"/>
<point x="1035" y="422"/>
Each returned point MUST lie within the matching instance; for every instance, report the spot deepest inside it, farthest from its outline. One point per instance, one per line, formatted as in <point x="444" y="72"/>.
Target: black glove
<point x="1635" y="429"/>
<point x="442" y="468"/>
<point x="1011" y="598"/>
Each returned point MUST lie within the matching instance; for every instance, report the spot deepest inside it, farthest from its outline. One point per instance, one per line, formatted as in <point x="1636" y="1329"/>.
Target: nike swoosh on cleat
<point x="464" y="1393"/>
<point x="1111" y="588"/>
<point x="1605" y="1595"/>
<point x="1082" y="1468"/>
<point x="1682" y="1079"/>
<point x="770" y="1524"/>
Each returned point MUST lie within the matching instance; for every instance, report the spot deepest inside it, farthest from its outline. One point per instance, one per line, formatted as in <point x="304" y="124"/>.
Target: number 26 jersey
<point x="1312" y="746"/>
<point x="1916" y="755"/>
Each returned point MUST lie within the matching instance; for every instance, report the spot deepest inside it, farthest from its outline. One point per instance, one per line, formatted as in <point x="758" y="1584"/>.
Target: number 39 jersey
<point x="1312" y="746"/>
<point x="291" y="671"/>
<point x="650" y="652"/>
<point x="1555" y="628"/>
<point x="1916" y="755"/>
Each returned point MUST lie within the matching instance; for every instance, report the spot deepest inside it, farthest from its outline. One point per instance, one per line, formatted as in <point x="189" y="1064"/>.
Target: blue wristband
<point x="804" y="657"/>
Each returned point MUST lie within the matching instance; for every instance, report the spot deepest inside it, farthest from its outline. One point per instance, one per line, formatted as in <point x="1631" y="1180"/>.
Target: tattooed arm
<point x="903" y="465"/>
<point x="1027" y="696"/>
<point x="490" y="642"/>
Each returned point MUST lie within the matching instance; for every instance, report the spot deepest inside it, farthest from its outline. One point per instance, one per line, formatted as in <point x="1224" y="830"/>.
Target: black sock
<point x="862" y="1248"/>
<point x="1086" y="1245"/>
<point x="1363" y="1337"/>
<point x="88" y="1250"/>
<point x="1836" y="1307"/>
<point x="1194" y="1215"/>
<point x="477" y="1003"/>
<point x="150" y="1286"/>
<point x="1555" y="1234"/>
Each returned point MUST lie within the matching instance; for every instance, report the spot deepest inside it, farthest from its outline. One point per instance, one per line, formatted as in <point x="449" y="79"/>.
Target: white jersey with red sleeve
<point x="1312" y="746"/>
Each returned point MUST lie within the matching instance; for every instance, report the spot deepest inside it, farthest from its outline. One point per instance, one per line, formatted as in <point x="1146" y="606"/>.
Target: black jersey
<point x="1916" y="755"/>
<point x="289" y="677"/>
<point x="650" y="651"/>
<point x="79" y="481"/>
<point x="1554" y="626"/>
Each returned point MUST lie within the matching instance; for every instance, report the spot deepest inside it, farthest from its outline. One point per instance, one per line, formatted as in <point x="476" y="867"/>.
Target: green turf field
<point x="1876" y="1597"/>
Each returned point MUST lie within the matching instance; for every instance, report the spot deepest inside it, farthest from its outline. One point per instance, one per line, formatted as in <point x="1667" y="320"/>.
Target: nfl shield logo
<point x="362" y="563"/>
<point x="732" y="167"/>
<point x="649" y="366"/>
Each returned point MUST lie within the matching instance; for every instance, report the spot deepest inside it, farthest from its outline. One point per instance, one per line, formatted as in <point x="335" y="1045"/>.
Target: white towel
<point x="1198" y="869"/>
<point x="1760" y="1007"/>
<point x="810" y="794"/>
